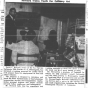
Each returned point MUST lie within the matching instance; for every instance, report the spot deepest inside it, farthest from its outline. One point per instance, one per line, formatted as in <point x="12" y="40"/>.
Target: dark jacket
<point x="51" y="45"/>
<point x="10" y="26"/>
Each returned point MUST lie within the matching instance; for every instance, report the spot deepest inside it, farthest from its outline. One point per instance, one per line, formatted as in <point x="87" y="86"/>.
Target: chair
<point x="32" y="61"/>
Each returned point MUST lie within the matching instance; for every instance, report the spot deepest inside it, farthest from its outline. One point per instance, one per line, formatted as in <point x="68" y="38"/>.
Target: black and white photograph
<point x="44" y="34"/>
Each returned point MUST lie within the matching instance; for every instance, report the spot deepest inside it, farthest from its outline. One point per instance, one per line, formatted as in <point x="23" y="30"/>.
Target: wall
<point x="47" y="25"/>
<point x="19" y="7"/>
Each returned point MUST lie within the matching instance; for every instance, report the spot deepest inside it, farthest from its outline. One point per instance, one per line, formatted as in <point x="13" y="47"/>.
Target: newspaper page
<point x="43" y="43"/>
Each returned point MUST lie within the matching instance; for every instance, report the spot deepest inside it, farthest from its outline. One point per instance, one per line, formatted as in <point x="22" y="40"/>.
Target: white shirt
<point x="12" y="17"/>
<point x="23" y="47"/>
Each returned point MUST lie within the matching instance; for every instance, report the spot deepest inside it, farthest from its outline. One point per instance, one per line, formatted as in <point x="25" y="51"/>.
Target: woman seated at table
<point x="26" y="47"/>
<point x="51" y="46"/>
<point x="51" y="43"/>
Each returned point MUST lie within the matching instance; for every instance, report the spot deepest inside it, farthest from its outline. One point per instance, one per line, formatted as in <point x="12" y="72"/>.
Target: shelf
<point x="80" y="23"/>
<point x="80" y="27"/>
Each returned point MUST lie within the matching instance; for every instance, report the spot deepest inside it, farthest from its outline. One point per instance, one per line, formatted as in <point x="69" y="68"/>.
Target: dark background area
<point x="62" y="11"/>
<point x="53" y="11"/>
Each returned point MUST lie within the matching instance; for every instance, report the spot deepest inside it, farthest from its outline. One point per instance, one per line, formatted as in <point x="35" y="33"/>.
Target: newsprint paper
<point x="43" y="43"/>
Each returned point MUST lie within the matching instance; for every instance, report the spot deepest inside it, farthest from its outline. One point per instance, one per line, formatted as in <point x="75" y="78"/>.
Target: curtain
<point x="47" y="24"/>
<point x="59" y="32"/>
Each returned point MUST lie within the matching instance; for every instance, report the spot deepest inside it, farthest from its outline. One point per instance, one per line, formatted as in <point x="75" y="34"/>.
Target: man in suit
<point x="11" y="26"/>
<point x="10" y="33"/>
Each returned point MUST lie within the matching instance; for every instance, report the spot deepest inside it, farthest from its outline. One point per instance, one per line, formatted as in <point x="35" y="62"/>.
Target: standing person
<point x="10" y="26"/>
<point x="10" y="33"/>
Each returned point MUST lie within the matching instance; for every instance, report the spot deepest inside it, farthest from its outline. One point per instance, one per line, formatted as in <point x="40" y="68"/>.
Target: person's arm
<point x="14" y="57"/>
<point x="12" y="46"/>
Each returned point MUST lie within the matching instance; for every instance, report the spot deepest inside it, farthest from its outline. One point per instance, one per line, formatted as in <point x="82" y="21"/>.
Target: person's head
<point x="30" y="35"/>
<point x="12" y="12"/>
<point x="52" y="35"/>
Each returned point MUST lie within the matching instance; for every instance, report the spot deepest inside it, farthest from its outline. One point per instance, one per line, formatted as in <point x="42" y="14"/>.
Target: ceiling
<point x="61" y="11"/>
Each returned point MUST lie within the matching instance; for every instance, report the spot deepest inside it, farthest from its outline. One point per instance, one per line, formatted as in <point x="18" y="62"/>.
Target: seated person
<point x="26" y="46"/>
<point x="51" y="44"/>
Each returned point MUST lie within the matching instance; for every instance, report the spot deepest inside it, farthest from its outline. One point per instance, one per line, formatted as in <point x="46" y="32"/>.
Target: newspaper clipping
<point x="43" y="43"/>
